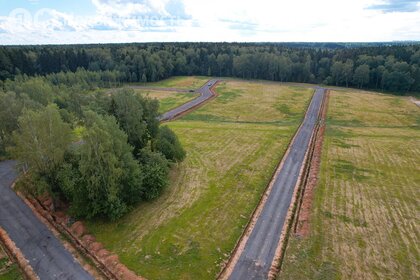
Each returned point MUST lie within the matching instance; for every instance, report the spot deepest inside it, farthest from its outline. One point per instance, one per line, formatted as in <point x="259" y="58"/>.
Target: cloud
<point x="138" y="15"/>
<point x="101" y="27"/>
<point x="241" y="25"/>
<point x="177" y="8"/>
<point x="44" y="20"/>
<point x="393" y="6"/>
<point x="129" y="8"/>
<point x="217" y="20"/>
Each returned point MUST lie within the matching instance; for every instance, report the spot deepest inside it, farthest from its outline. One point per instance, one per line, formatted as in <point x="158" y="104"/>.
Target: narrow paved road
<point x="161" y="89"/>
<point x="46" y="255"/>
<point x="205" y="94"/>
<point x="258" y="254"/>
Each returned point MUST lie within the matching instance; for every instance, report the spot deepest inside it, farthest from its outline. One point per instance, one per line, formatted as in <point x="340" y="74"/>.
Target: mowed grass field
<point x="233" y="145"/>
<point x="365" y="220"/>
<point x="168" y="99"/>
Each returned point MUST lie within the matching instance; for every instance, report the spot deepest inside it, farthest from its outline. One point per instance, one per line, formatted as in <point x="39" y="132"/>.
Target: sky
<point x="118" y="21"/>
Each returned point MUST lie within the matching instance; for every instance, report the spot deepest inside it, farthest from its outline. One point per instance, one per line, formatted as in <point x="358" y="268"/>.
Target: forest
<point x="385" y="67"/>
<point x="98" y="151"/>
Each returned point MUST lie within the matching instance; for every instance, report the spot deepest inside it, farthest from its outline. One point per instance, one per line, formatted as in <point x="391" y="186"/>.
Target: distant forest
<point x="392" y="67"/>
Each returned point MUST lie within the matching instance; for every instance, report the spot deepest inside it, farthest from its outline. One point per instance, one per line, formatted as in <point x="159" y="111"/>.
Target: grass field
<point x="168" y="99"/>
<point x="233" y="145"/>
<point x="8" y="271"/>
<point x="192" y="82"/>
<point x="365" y="216"/>
<point x="250" y="102"/>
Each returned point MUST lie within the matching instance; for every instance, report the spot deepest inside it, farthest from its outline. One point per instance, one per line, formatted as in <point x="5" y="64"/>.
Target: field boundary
<point x="297" y="194"/>
<point x="227" y="268"/>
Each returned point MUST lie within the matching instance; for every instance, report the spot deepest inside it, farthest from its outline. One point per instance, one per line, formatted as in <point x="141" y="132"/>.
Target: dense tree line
<point x="101" y="151"/>
<point x="390" y="67"/>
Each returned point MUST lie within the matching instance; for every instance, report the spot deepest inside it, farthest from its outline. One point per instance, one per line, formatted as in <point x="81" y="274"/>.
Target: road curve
<point x="259" y="251"/>
<point x="205" y="94"/>
<point x="46" y="255"/>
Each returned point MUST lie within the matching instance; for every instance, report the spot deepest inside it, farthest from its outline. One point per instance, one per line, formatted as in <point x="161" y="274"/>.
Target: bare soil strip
<point x="51" y="222"/>
<point x="301" y="225"/>
<point x="15" y="253"/>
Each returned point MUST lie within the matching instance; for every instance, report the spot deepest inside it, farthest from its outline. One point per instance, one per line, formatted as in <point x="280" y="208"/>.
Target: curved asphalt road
<point x="205" y="94"/>
<point x="46" y="255"/>
<point x="258" y="254"/>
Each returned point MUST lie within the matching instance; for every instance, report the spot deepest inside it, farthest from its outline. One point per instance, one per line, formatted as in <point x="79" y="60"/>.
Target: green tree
<point x="144" y="78"/>
<point x="41" y="141"/>
<point x="168" y="144"/>
<point x="397" y="81"/>
<point x="337" y="72"/>
<point x="155" y="173"/>
<point x="361" y="75"/>
<point x="10" y="109"/>
<point x="129" y="111"/>
<point x="110" y="178"/>
<point x="348" y="71"/>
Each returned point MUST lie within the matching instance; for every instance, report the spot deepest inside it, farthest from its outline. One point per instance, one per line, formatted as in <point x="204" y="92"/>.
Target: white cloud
<point x="217" y="20"/>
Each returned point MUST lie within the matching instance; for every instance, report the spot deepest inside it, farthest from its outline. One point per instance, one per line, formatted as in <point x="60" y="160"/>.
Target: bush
<point x="168" y="144"/>
<point x="155" y="173"/>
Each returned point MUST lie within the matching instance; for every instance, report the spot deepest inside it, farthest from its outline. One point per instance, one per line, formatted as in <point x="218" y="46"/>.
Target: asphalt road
<point x="258" y="254"/>
<point x="205" y="94"/>
<point x="161" y="89"/>
<point x="46" y="255"/>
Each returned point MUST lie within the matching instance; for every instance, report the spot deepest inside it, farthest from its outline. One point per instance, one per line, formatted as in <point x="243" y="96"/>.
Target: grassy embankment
<point x="365" y="216"/>
<point x="8" y="270"/>
<point x="233" y="144"/>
